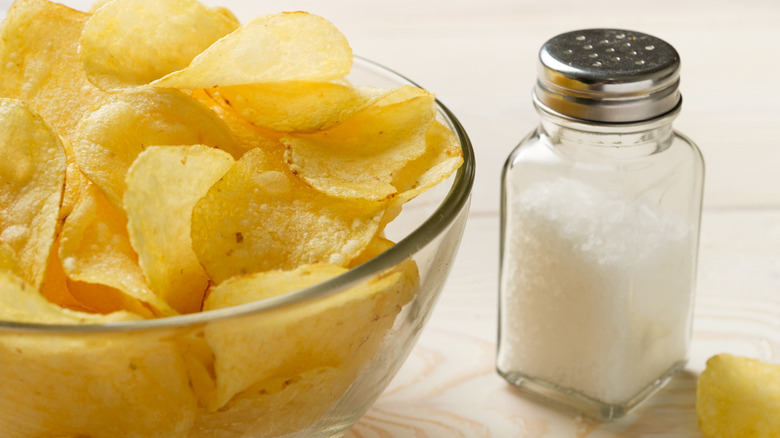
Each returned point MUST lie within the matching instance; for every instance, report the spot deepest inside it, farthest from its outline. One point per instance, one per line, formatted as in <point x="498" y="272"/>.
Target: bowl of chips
<point x="208" y="228"/>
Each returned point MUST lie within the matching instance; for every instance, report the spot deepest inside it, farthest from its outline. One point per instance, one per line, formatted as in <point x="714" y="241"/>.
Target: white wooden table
<point x="479" y="58"/>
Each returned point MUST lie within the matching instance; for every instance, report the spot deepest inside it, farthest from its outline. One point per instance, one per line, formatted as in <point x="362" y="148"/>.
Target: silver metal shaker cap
<point x="608" y="75"/>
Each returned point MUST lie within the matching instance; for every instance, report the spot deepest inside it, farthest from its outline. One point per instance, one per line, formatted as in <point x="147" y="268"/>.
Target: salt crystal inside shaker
<point x="601" y="207"/>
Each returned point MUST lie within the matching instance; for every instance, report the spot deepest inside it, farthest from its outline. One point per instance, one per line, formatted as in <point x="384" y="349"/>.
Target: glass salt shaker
<point x="601" y="206"/>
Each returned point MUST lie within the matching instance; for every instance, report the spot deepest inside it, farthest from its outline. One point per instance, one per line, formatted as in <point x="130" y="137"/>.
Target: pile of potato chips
<point x="161" y="158"/>
<point x="157" y="148"/>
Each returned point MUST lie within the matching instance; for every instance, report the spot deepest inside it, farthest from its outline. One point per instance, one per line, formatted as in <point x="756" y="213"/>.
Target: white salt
<point x="596" y="290"/>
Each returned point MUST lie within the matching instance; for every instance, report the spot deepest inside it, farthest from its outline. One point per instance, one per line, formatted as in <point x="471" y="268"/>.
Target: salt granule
<point x="596" y="296"/>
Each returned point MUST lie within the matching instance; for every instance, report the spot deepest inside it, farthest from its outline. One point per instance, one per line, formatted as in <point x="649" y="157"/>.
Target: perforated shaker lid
<point x="608" y="75"/>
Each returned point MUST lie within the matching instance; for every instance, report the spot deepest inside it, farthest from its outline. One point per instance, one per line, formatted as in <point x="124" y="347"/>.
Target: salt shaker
<point x="601" y="207"/>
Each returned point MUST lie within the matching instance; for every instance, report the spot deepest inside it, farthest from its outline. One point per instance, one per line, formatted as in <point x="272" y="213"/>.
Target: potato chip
<point x="247" y="135"/>
<point x="277" y="406"/>
<point x="377" y="246"/>
<point x="8" y="261"/>
<point x="55" y="286"/>
<point x="738" y="397"/>
<point x="442" y="157"/>
<point x="341" y="330"/>
<point x="58" y="289"/>
<point x="110" y="138"/>
<point x="359" y="158"/>
<point x="76" y="184"/>
<point x="40" y="64"/>
<point x="199" y="361"/>
<point x="262" y="285"/>
<point x="95" y="249"/>
<point x="134" y="42"/>
<point x="290" y="46"/>
<point x="260" y="217"/>
<point x="94" y="385"/>
<point x="20" y="302"/>
<point x="163" y="185"/>
<point x="298" y="106"/>
<point x="32" y="173"/>
<point x="97" y="4"/>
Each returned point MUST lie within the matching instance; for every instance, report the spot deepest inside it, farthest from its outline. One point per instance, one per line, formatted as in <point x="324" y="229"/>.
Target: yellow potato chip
<point x="110" y="138"/>
<point x="358" y="159"/>
<point x="290" y="46"/>
<point x="341" y="330"/>
<point x="76" y="184"/>
<point x="55" y="286"/>
<point x="442" y="157"/>
<point x="277" y="406"/>
<point x="738" y="397"/>
<point x="134" y="42"/>
<point x="8" y="261"/>
<point x="58" y="289"/>
<point x="199" y="361"/>
<point x="260" y="217"/>
<point x="94" y="385"/>
<point x="163" y="185"/>
<point x="298" y="106"/>
<point x="95" y="249"/>
<point x="377" y="246"/>
<point x="40" y="64"/>
<point x="247" y="135"/>
<point x="262" y="285"/>
<point x="32" y="174"/>
<point x="20" y="302"/>
<point x="97" y="5"/>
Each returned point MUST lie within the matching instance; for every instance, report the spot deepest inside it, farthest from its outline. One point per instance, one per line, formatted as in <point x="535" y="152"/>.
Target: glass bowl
<point x="307" y="363"/>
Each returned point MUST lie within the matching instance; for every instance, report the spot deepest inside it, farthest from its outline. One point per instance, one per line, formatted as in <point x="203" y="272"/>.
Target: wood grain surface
<point x="479" y="58"/>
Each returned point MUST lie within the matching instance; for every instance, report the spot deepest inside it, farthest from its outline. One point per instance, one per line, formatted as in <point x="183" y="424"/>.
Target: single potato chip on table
<point x="738" y="397"/>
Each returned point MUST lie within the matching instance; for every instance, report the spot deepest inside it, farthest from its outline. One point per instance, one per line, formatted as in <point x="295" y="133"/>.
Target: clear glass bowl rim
<point x="454" y="202"/>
